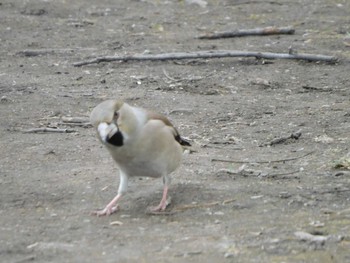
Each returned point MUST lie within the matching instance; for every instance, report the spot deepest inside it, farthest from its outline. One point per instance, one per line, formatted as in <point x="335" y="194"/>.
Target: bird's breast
<point x="143" y="169"/>
<point x="151" y="152"/>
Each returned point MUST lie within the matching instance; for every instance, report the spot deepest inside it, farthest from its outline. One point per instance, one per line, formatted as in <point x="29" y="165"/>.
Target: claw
<point x="162" y="206"/>
<point x="111" y="208"/>
<point x="106" y="211"/>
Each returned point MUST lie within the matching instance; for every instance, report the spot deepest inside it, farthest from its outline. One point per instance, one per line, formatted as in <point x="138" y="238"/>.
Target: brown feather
<point x="177" y="136"/>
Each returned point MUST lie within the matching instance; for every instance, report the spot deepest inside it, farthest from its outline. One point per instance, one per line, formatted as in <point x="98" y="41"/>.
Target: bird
<point x="141" y="142"/>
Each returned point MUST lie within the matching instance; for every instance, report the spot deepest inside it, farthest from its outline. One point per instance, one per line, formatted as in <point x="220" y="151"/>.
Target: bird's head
<point x="105" y="117"/>
<point x="114" y="121"/>
<point x="106" y="112"/>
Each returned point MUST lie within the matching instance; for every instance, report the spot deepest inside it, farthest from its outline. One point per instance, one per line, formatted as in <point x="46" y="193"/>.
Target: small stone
<point x="124" y="216"/>
<point x="324" y="139"/>
<point x="256" y="197"/>
<point x="229" y="255"/>
<point x="261" y="82"/>
<point x="219" y="213"/>
<point x="284" y="195"/>
<point x="33" y="245"/>
<point x="317" y="224"/>
<point x="4" y="99"/>
<point x="309" y="237"/>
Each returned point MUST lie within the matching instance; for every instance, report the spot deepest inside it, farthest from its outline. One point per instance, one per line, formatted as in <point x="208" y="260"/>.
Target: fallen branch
<point x="76" y="121"/>
<point x="249" y="32"/>
<point x="46" y="129"/>
<point x="271" y="161"/>
<point x="77" y="124"/>
<point x="282" y="174"/>
<point x="320" y="89"/>
<point x="209" y="54"/>
<point x="245" y="172"/>
<point x="25" y="259"/>
<point x="41" y="52"/>
<point x="294" y="135"/>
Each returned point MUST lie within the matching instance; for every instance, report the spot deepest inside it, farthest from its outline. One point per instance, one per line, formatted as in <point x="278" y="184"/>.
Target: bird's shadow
<point x="181" y="194"/>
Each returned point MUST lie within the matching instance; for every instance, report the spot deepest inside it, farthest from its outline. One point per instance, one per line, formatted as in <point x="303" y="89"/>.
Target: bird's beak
<point x="106" y="130"/>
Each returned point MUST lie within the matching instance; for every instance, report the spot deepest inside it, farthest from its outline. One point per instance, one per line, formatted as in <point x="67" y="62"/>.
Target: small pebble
<point x="124" y="216"/>
<point x="229" y="255"/>
<point x="256" y="197"/>
<point x="219" y="213"/>
<point x="4" y="99"/>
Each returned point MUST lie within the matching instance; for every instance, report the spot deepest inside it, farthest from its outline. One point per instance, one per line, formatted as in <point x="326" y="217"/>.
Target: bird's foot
<point x="162" y="205"/>
<point x="158" y="208"/>
<point x="108" y="210"/>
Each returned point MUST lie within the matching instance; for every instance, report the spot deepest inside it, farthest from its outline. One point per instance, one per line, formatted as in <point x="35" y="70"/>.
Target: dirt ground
<point x="284" y="202"/>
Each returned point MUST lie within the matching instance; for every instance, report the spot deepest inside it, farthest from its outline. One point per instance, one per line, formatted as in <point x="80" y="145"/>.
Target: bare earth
<point x="280" y="203"/>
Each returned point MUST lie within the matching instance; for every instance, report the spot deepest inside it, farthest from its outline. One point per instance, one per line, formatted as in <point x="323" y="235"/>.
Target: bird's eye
<point x="116" y="115"/>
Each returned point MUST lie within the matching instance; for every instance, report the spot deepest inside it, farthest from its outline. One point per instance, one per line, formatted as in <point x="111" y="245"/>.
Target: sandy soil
<point x="286" y="204"/>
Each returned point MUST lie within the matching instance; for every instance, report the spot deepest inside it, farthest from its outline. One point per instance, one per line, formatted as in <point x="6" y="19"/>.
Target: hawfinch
<point x="142" y="143"/>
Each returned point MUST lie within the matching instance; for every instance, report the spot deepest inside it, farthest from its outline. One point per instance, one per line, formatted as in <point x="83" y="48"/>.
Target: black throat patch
<point x="116" y="139"/>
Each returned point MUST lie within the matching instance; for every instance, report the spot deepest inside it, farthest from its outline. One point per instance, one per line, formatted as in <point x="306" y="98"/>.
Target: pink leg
<point x="163" y="203"/>
<point x="111" y="208"/>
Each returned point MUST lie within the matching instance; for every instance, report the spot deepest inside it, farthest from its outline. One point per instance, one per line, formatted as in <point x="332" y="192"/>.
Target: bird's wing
<point x="165" y="120"/>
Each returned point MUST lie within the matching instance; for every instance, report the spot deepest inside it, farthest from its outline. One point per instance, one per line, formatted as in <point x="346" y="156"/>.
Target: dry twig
<point x="46" y="129"/>
<point x="26" y="259"/>
<point x="209" y="54"/>
<point x="271" y="161"/>
<point x="76" y="121"/>
<point x="282" y="174"/>
<point x="311" y="88"/>
<point x="295" y="135"/>
<point x="41" y="52"/>
<point x="249" y="32"/>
